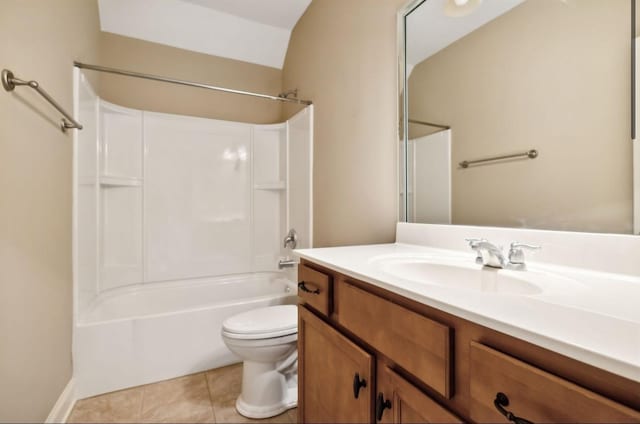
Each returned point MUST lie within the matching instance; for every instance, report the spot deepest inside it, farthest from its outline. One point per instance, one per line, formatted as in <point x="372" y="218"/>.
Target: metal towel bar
<point x="531" y="154"/>
<point x="9" y="82"/>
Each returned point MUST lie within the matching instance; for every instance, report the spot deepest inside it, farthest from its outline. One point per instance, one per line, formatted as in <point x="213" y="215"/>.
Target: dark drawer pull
<point x="358" y="384"/>
<point x="305" y="289"/>
<point x="501" y="401"/>
<point x="381" y="405"/>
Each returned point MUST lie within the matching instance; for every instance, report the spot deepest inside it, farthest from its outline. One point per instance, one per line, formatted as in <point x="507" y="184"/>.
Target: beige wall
<point x="549" y="76"/>
<point x="143" y="56"/>
<point x="39" y="39"/>
<point x="342" y="56"/>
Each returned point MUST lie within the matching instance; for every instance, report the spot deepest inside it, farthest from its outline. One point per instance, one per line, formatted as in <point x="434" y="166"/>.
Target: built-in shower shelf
<point x="87" y="180"/>
<point x="114" y="181"/>
<point x="276" y="185"/>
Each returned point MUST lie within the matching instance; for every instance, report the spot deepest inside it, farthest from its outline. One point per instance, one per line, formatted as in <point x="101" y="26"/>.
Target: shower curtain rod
<point x="187" y="83"/>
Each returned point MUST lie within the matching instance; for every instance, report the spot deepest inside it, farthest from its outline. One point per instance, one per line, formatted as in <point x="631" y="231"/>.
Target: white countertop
<point x="594" y="319"/>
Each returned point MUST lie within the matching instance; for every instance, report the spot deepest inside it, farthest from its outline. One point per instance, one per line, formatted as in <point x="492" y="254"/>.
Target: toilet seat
<point x="263" y="323"/>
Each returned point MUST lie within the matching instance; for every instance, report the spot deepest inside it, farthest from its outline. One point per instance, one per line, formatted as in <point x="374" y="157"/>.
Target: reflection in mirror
<point x="519" y="114"/>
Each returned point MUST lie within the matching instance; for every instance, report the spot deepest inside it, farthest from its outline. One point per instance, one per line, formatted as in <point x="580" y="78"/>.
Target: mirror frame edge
<point x="403" y="106"/>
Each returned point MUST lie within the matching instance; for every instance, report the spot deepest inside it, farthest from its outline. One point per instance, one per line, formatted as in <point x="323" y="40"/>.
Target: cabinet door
<point x="334" y="375"/>
<point x="399" y="401"/>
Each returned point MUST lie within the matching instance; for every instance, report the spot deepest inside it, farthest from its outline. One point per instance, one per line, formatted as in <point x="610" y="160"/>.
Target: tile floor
<point x="206" y="397"/>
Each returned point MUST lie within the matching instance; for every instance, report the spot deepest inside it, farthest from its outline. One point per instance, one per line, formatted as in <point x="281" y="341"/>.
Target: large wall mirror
<point x="518" y="113"/>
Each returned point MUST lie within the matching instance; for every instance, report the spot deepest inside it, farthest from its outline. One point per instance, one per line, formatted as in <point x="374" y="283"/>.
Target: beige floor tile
<point x="203" y="397"/>
<point x="224" y="387"/>
<point x="293" y="415"/>
<point x="184" y="399"/>
<point x="117" y="407"/>
<point x="225" y="384"/>
<point x="282" y="418"/>
<point x="225" y="412"/>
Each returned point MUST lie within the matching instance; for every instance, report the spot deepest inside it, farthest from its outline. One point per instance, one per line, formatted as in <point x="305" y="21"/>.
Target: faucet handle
<point x="516" y="254"/>
<point x="291" y="239"/>
<point x="473" y="243"/>
<point x="518" y="245"/>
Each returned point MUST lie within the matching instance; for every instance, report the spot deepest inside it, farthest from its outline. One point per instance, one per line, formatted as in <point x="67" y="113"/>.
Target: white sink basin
<point x="459" y="274"/>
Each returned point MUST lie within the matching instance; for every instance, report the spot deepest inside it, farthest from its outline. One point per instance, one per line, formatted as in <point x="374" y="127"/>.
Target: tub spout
<point x="287" y="263"/>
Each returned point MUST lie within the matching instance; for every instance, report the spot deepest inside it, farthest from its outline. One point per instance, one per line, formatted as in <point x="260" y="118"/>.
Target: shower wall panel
<point x="120" y="218"/>
<point x="197" y="197"/>
<point x="86" y="195"/>
<point x="269" y="200"/>
<point x="163" y="197"/>
<point x="300" y="176"/>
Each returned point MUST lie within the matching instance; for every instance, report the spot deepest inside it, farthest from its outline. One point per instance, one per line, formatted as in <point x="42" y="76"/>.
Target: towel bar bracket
<point x="10" y="82"/>
<point x="7" y="80"/>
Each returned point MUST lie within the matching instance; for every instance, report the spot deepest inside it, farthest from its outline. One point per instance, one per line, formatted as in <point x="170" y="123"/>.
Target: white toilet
<point x="266" y="340"/>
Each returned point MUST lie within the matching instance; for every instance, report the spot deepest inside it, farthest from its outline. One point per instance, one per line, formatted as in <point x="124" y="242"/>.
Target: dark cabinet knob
<point x="381" y="405"/>
<point x="306" y="289"/>
<point x="358" y="384"/>
<point x="500" y="402"/>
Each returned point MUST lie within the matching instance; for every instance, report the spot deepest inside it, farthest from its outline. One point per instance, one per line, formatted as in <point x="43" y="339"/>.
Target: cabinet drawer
<point x="534" y="394"/>
<point x="315" y="289"/>
<point x="419" y="345"/>
<point x="399" y="401"/>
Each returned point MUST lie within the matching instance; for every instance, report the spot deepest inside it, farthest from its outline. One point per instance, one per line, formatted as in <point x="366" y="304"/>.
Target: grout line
<point x="144" y="391"/>
<point x="213" y="409"/>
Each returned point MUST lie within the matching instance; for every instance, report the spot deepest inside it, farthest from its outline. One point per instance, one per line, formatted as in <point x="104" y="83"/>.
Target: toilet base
<point x="251" y="411"/>
<point x="266" y="390"/>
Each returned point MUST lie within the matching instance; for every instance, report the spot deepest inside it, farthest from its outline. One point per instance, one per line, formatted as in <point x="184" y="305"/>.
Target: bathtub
<point x="152" y="332"/>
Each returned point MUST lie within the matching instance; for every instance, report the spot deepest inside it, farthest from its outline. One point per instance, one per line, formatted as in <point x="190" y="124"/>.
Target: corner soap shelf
<point x="276" y="185"/>
<point x="117" y="181"/>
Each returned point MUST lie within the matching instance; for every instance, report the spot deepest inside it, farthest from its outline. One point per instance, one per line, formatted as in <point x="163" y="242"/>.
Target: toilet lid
<point x="272" y="321"/>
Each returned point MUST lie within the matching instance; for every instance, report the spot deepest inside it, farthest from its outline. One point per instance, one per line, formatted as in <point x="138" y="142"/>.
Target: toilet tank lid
<point x="264" y="321"/>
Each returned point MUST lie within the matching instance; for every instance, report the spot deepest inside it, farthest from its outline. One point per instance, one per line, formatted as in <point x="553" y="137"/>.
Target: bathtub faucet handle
<point x="291" y="239"/>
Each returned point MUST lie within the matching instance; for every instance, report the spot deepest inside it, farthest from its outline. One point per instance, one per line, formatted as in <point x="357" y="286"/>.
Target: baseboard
<point x="62" y="409"/>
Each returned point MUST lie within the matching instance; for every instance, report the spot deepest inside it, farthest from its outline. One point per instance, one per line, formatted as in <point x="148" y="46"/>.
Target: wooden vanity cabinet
<point x="534" y="394"/>
<point x="399" y="401"/>
<point x="421" y="364"/>
<point x="335" y="376"/>
<point x="315" y="289"/>
<point x="416" y="343"/>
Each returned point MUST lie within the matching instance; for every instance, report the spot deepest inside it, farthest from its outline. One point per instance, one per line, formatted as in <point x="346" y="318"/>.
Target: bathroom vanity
<point x="377" y="345"/>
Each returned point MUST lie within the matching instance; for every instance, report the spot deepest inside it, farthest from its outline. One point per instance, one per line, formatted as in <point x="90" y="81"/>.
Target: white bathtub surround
<point x="178" y="224"/>
<point x="585" y="305"/>
<point x="429" y="184"/>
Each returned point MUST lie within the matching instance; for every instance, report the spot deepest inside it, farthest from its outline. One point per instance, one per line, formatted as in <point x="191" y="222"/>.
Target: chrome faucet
<point x="488" y="253"/>
<point x="291" y="239"/>
<point x="492" y="256"/>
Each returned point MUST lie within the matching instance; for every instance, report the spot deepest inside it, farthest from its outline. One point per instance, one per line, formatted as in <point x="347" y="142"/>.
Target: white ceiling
<point x="255" y="31"/>
<point x="279" y="13"/>
<point x="429" y="30"/>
